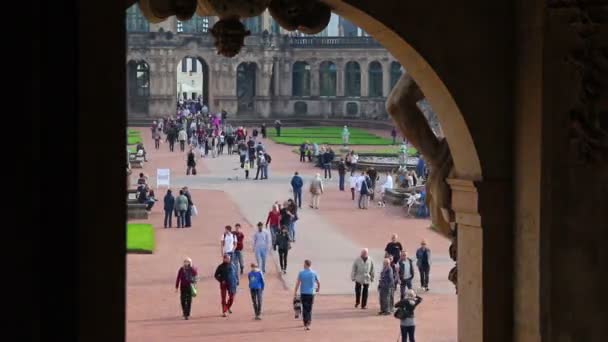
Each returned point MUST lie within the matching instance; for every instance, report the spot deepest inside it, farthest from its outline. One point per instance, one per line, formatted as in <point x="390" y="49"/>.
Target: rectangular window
<point x="194" y="96"/>
<point x="194" y="63"/>
<point x="185" y="96"/>
<point x="180" y="27"/>
<point x="185" y="65"/>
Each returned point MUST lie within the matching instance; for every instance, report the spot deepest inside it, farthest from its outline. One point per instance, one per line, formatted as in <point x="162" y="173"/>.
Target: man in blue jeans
<point x="261" y="244"/>
<point x="296" y="184"/>
<point x="307" y="279"/>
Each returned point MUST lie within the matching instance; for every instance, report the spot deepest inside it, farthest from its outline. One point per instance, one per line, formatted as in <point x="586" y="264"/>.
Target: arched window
<point x="245" y="86"/>
<point x="352" y="79"/>
<point x="136" y="22"/>
<point x="196" y="24"/>
<point x="396" y="72"/>
<point x="327" y="79"/>
<point x="375" y="79"/>
<point x="138" y="85"/>
<point x="300" y="85"/>
<point x="253" y="24"/>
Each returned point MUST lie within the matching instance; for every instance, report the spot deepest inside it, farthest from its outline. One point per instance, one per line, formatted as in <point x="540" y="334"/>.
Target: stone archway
<point x="204" y="78"/>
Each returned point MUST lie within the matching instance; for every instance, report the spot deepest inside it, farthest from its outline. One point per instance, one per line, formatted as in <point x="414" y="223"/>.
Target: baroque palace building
<point x="340" y="72"/>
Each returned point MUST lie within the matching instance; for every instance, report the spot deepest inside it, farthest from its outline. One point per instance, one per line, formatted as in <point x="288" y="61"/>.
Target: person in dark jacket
<point x="385" y="287"/>
<point x="186" y="277"/>
<point x="263" y="130"/>
<point x="296" y="184"/>
<point x="341" y="173"/>
<point x="373" y="176"/>
<point x="394" y="135"/>
<point x="283" y="245"/>
<point x="423" y="261"/>
<point x="169" y="205"/>
<point x="406" y="273"/>
<point x="327" y="158"/>
<point x="226" y="275"/>
<point x="408" y="305"/>
<point x="303" y="152"/>
<point x="188" y="217"/>
<point x="190" y="163"/>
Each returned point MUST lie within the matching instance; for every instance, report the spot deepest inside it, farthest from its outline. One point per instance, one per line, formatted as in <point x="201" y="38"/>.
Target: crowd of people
<point x="197" y="130"/>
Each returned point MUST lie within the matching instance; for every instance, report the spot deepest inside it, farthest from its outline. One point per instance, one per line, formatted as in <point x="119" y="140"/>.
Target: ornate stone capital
<point x="465" y="202"/>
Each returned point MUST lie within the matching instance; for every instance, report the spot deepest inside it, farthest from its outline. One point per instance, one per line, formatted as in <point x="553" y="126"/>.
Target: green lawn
<point x="326" y="135"/>
<point x="140" y="238"/>
<point x="131" y="132"/>
<point x="134" y="140"/>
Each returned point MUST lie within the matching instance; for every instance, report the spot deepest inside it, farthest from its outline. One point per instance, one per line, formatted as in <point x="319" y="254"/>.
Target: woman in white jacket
<point x="387" y="185"/>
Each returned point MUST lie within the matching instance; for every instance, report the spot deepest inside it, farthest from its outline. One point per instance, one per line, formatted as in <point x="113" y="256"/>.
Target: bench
<point x="136" y="211"/>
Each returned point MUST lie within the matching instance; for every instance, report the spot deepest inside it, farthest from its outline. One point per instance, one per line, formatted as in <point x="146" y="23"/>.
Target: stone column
<point x="314" y="80"/>
<point x="386" y="78"/>
<point x="340" y="79"/>
<point x="162" y="98"/>
<point x="364" y="79"/>
<point x="277" y="77"/>
<point x="485" y="293"/>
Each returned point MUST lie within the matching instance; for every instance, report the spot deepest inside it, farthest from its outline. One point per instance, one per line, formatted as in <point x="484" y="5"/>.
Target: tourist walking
<point x="228" y="242"/>
<point x="385" y="287"/>
<point x="181" y="206"/>
<point x="182" y="136"/>
<point x="256" y="288"/>
<point x="296" y="184"/>
<point x="156" y="136"/>
<point x="191" y="163"/>
<point x="363" y="185"/>
<point x="406" y="273"/>
<point x="394" y="135"/>
<point x="277" y="127"/>
<point x="189" y="209"/>
<point x="292" y="217"/>
<point x="394" y="248"/>
<point x="262" y="166"/>
<point x="353" y="185"/>
<point x="423" y="261"/>
<point x="341" y="174"/>
<point x="274" y="219"/>
<point x="388" y="185"/>
<point x="373" y="177"/>
<point x="303" y="148"/>
<point x="362" y="274"/>
<point x="261" y="245"/>
<point x="405" y="309"/>
<point x="327" y="158"/>
<point x="307" y="279"/>
<point x="316" y="190"/>
<point x="172" y="137"/>
<point x="283" y="245"/>
<point x="263" y="130"/>
<point x="186" y="282"/>
<point x="238" y="250"/>
<point x="169" y="207"/>
<point x="225" y="274"/>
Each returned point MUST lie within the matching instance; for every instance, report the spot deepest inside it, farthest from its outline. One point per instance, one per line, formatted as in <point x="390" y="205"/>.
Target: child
<point x="256" y="287"/>
<point x="247" y="166"/>
<point x="353" y="185"/>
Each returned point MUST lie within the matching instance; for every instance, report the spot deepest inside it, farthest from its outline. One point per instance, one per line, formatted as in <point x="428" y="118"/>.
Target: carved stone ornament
<point x="589" y="57"/>
<point x="229" y="36"/>
<point x="402" y="106"/>
<point x="308" y="16"/>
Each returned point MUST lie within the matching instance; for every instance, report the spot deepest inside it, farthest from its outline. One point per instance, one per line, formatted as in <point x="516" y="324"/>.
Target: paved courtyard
<point x="331" y="237"/>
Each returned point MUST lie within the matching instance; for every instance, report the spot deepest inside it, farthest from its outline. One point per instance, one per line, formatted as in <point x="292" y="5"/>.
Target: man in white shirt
<point x="353" y="185"/>
<point x="262" y="242"/>
<point x="228" y="243"/>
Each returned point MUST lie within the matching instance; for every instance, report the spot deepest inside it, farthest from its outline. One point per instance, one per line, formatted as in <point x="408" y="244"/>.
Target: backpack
<point x="268" y="159"/>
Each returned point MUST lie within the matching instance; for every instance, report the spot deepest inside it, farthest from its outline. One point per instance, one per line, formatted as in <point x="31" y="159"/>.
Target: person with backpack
<point x="267" y="166"/>
<point x="405" y="313"/>
<point x="406" y="273"/>
<point x="185" y="282"/>
<point x="423" y="261"/>
<point x="226" y="275"/>
<point x="261" y="166"/>
<point x="283" y="244"/>
<point x="363" y="187"/>
<point x="191" y="163"/>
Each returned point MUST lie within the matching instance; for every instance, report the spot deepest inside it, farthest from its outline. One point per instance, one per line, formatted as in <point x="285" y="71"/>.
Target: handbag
<point x="194" y="211"/>
<point x="401" y="313"/>
<point x="193" y="291"/>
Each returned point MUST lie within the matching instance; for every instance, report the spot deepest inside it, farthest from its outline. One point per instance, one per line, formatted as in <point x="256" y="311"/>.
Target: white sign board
<point x="163" y="177"/>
